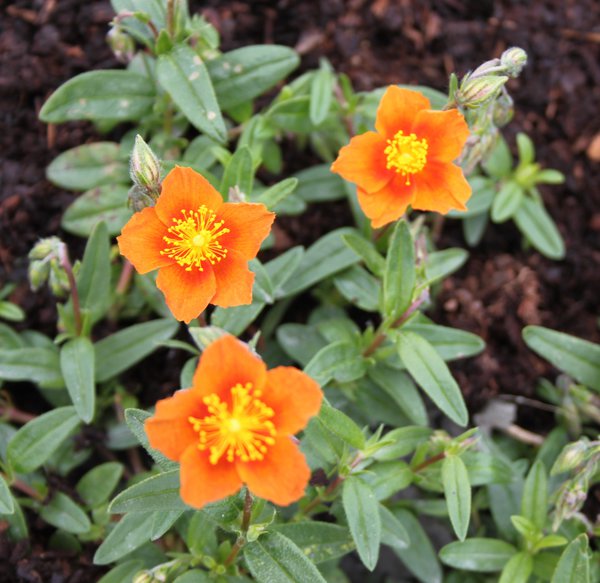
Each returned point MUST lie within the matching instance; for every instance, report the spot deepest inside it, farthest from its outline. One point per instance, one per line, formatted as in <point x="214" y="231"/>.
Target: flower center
<point x="195" y="239"/>
<point x="406" y="154"/>
<point x="244" y="432"/>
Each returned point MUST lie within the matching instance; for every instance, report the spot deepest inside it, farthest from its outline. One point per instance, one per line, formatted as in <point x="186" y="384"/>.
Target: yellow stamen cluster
<point x="406" y="155"/>
<point x="244" y="432"/>
<point x="195" y="239"/>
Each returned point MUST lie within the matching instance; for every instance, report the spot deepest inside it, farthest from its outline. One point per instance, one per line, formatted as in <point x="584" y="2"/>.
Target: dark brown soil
<point x="501" y="289"/>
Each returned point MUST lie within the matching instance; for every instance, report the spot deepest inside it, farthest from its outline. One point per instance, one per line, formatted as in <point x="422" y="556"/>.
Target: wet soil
<point x="502" y="288"/>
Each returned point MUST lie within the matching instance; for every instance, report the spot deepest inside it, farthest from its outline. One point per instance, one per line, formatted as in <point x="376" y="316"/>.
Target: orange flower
<point x="200" y="245"/>
<point x="235" y="426"/>
<point x="408" y="160"/>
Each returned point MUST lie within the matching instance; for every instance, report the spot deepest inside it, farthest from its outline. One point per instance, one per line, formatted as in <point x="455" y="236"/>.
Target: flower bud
<point x="58" y="281"/>
<point x="121" y="44"/>
<point x="513" y="60"/>
<point x="144" y="167"/>
<point x="46" y="248"/>
<point x="38" y="274"/>
<point x="571" y="456"/>
<point x="137" y="199"/>
<point x="476" y="91"/>
<point x="503" y="109"/>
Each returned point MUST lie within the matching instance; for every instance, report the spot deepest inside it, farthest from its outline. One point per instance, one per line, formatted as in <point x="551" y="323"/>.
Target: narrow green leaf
<point x="399" y="277"/>
<point x="300" y="342"/>
<point x="432" y="375"/>
<point x="63" y="513"/>
<point x="340" y="360"/>
<point x="474" y="228"/>
<point x="7" y="503"/>
<point x="518" y="569"/>
<point x="118" y="352"/>
<point x="574" y="563"/>
<point x="159" y="492"/>
<point x="393" y="532"/>
<point x="526" y="148"/>
<point x="549" y="176"/>
<point x="534" y="504"/>
<point x="507" y="201"/>
<point x="130" y="533"/>
<point x="107" y="203"/>
<point x="500" y="160"/>
<point x="402" y="441"/>
<point x="282" y="268"/>
<point x="538" y="227"/>
<point x="100" y="95"/>
<point x="321" y="94"/>
<point x="342" y="426"/>
<point x="243" y="74"/>
<point x="77" y="365"/>
<point x="123" y="572"/>
<point x="440" y="264"/>
<point x="483" y="555"/>
<point x="366" y="251"/>
<point x="359" y="287"/>
<point x="88" y="166"/>
<point x="96" y="486"/>
<point x="319" y="184"/>
<point x="449" y="343"/>
<point x="278" y="192"/>
<point x="238" y="172"/>
<point x="235" y="320"/>
<point x="273" y="558"/>
<point x="37" y="440"/>
<point x="574" y="356"/>
<point x="185" y="78"/>
<point x="319" y="541"/>
<point x="457" y="490"/>
<point x="37" y="365"/>
<point x="362" y="511"/>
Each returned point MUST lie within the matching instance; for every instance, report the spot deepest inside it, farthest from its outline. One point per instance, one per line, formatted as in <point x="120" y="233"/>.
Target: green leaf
<point x="77" y="360"/>
<point x="198" y="576"/>
<point x="96" y="486"/>
<point x="121" y="350"/>
<point x="484" y="191"/>
<point x="282" y="268"/>
<point x="88" y="166"/>
<point x="518" y="569"/>
<point x="135" y="419"/>
<point x="420" y="557"/>
<point x="457" y="490"/>
<point x="130" y="533"/>
<point x="393" y="532"/>
<point x="159" y="492"/>
<point x="534" y="504"/>
<point x="300" y="342"/>
<point x="449" y="343"/>
<point x="37" y="440"/>
<point x="359" y="287"/>
<point x="123" y="572"/>
<point x="549" y="176"/>
<point x="507" y="201"/>
<point x="93" y="279"/>
<point x="362" y="511"/>
<point x="106" y="203"/>
<point x="63" y="513"/>
<point x="278" y="192"/>
<point x="9" y="339"/>
<point x="273" y="558"/>
<point x="7" y="503"/>
<point x="401" y="389"/>
<point x="100" y="95"/>
<point x="474" y="228"/>
<point x="525" y="148"/>
<point x="238" y="172"/>
<point x="319" y="184"/>
<point x="340" y="360"/>
<point x="185" y="78"/>
<point x="388" y="478"/>
<point x="537" y="226"/>
<point x="341" y="425"/>
<point x="574" y="356"/>
<point x="329" y="255"/>
<point x="243" y="74"/>
<point x="291" y="115"/>
<point x="366" y="251"/>
<point x="36" y="365"/>
<point x="235" y="320"/>
<point x="399" y="277"/>
<point x="432" y="375"/>
<point x="439" y="264"/>
<point x="319" y="541"/>
<point x="500" y="161"/>
<point x="402" y="441"/>
<point x="321" y="94"/>
<point x="574" y="563"/>
<point x="483" y="555"/>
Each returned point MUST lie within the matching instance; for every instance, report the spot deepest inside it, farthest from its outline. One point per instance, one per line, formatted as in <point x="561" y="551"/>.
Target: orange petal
<point x="280" y="477"/>
<point x="294" y="397"/>
<point x="445" y="131"/>
<point x="363" y="162"/>
<point x="184" y="188"/>
<point x="226" y="362"/>
<point x="441" y="187"/>
<point x="234" y="281"/>
<point x="169" y="430"/>
<point x="248" y="224"/>
<point x="141" y="241"/>
<point x="203" y="482"/>
<point x="187" y="293"/>
<point x="398" y="109"/>
<point x="387" y="204"/>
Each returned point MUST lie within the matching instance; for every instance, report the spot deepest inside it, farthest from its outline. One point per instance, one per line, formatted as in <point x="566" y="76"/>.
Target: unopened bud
<point x="58" y="281"/>
<point x="503" y="109"/>
<point x="121" y="44"/>
<point x="513" y="60"/>
<point x="571" y="456"/>
<point x="476" y="91"/>
<point x="38" y="274"/>
<point x="138" y="199"/>
<point x="46" y="248"/>
<point x="488" y="68"/>
<point x="144" y="167"/>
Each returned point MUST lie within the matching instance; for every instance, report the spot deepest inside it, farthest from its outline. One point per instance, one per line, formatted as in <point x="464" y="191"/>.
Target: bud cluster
<point x="144" y="169"/>
<point x="45" y="265"/>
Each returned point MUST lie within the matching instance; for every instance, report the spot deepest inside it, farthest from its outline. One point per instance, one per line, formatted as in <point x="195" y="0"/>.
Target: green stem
<point x="171" y="17"/>
<point x="65" y="263"/>
<point x="241" y="539"/>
